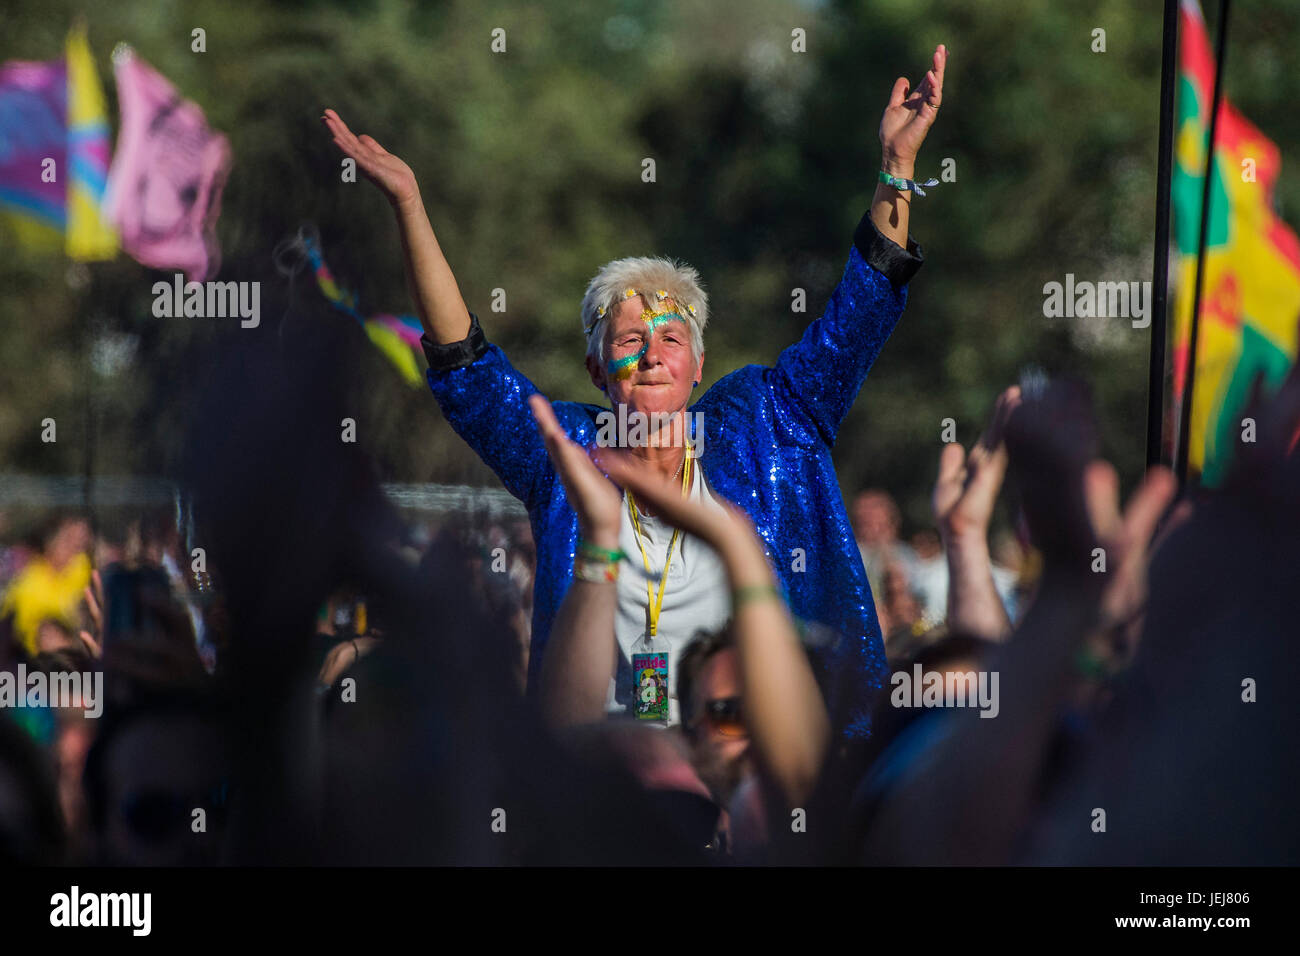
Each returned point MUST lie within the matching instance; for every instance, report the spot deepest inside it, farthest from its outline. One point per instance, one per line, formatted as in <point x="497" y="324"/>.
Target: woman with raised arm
<point x="760" y="437"/>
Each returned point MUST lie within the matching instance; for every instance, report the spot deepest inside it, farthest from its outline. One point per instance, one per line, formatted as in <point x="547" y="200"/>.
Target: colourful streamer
<point x="397" y="337"/>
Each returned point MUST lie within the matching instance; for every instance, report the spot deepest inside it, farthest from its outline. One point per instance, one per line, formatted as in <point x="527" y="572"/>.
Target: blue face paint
<point x="621" y="369"/>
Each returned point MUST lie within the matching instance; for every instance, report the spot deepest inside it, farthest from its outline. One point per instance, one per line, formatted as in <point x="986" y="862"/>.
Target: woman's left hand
<point x="599" y="505"/>
<point x="909" y="116"/>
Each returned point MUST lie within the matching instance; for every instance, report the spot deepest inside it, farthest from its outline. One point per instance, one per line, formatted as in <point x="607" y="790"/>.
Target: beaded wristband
<point x="598" y="572"/>
<point x="754" y="592"/>
<point x="903" y="185"/>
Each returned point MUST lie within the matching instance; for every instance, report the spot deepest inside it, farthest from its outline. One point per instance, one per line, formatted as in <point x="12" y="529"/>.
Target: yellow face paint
<point x="621" y="369"/>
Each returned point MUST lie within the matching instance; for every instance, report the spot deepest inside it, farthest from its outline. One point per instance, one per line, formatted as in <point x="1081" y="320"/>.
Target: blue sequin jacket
<point x="768" y="434"/>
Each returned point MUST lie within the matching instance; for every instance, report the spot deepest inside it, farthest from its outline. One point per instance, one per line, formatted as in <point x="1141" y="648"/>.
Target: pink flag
<point x="164" y="187"/>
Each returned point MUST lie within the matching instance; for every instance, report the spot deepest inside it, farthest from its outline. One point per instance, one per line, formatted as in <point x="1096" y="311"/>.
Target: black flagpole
<point x="1160" y="277"/>
<point x="1189" y="383"/>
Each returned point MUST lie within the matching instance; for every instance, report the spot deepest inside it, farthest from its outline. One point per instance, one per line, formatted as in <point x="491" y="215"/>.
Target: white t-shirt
<point x="696" y="597"/>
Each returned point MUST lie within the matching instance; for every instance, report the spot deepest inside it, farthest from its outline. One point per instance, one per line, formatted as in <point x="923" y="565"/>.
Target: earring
<point x="695" y="385"/>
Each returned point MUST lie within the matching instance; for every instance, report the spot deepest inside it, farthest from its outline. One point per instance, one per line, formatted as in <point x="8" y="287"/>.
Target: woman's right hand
<point x="718" y="527"/>
<point x="380" y="166"/>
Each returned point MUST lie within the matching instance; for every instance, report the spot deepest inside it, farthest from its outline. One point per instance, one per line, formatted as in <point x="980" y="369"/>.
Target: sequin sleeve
<point x="486" y="403"/>
<point x="819" y="377"/>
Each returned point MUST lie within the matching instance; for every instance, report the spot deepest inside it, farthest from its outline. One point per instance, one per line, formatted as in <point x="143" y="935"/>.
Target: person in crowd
<point x="876" y="526"/>
<point x="52" y="586"/>
<point x="751" y="699"/>
<point x="433" y="757"/>
<point x="32" y="830"/>
<point x="930" y="575"/>
<point x="763" y="438"/>
<point x="157" y="780"/>
<point x="901" y="607"/>
<point x="927" y="786"/>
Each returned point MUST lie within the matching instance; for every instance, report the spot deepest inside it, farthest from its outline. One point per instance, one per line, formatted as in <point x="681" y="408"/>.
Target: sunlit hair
<point x="648" y="275"/>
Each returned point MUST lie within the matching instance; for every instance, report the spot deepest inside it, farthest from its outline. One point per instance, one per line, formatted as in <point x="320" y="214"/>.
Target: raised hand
<point x="711" y="525"/>
<point x="964" y="495"/>
<point x="909" y="116"/>
<point x="967" y="487"/>
<point x="390" y="174"/>
<point x="1125" y="536"/>
<point x="599" y="505"/>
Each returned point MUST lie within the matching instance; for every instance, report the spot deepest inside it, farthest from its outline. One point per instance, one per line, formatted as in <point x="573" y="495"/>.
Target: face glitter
<point x="621" y="369"/>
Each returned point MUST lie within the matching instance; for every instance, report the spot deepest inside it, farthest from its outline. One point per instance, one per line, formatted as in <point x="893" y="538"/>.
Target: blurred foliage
<point x="530" y="166"/>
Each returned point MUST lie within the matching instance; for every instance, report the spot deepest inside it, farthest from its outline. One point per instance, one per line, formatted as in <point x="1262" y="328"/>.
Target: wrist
<point x="746" y="563"/>
<point x="602" y="537"/>
<point x="409" y="203"/>
<point x="964" y="539"/>
<point x="898" y="166"/>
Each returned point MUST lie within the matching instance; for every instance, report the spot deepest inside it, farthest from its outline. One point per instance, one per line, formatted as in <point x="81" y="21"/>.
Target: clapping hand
<point x="597" y="503"/>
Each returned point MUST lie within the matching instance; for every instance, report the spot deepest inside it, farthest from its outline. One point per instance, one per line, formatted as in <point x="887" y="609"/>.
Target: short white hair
<point x="648" y="276"/>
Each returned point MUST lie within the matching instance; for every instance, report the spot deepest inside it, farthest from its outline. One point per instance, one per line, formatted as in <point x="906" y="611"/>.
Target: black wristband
<point x="443" y="358"/>
<point x="884" y="255"/>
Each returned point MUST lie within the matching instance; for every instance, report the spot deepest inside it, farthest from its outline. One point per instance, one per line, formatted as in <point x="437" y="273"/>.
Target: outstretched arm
<point x="438" y="301"/>
<point x="818" y="378"/>
<point x="483" y="396"/>
<point x="783" y="706"/>
<point x="581" y="653"/>
<point x="903" y="128"/>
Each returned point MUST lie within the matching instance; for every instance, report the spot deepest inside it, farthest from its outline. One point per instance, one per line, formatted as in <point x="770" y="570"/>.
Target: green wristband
<point x="589" y="550"/>
<point x="755" y="592"/>
<point x="903" y="185"/>
<point x="1090" y="665"/>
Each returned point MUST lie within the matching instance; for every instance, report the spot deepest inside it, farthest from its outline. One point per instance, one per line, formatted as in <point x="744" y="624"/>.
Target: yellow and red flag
<point x="1250" y="300"/>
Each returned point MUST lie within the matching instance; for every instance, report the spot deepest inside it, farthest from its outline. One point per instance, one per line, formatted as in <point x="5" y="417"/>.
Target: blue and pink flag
<point x="54" y="147"/>
<point x="34" y="149"/>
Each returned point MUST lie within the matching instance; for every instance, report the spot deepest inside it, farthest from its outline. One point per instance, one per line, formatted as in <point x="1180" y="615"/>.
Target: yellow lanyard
<point x="655" y="604"/>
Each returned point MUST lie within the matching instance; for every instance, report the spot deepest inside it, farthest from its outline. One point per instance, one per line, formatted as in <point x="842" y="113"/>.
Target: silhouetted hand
<point x="967" y="487"/>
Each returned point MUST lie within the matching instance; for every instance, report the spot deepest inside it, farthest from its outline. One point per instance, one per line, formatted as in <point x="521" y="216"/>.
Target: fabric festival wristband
<point x="905" y="184"/>
<point x="755" y="592"/>
<point x="597" y="572"/>
<point x="1090" y="665"/>
<point x="589" y="550"/>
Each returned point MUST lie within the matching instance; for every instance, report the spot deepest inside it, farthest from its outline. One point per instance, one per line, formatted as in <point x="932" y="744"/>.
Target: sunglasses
<point x="725" y="716"/>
